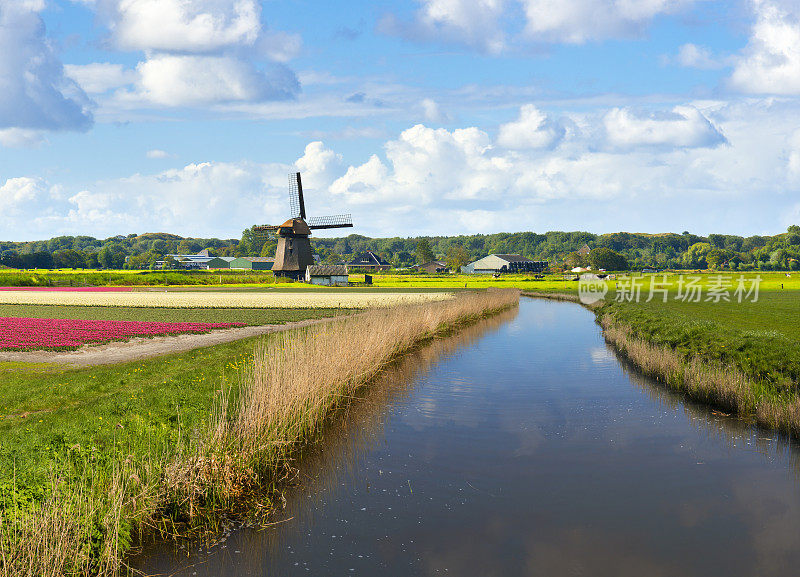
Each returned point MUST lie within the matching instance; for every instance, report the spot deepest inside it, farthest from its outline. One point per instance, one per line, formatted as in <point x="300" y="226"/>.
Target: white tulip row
<point x="219" y="300"/>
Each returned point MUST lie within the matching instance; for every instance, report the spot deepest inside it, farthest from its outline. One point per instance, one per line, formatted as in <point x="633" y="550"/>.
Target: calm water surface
<point x="523" y="446"/>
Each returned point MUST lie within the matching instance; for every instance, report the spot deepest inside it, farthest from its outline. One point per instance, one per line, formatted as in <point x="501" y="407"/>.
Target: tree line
<point x="615" y="251"/>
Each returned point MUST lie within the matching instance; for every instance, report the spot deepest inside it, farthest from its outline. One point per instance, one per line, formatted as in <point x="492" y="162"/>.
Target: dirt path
<point x="142" y="348"/>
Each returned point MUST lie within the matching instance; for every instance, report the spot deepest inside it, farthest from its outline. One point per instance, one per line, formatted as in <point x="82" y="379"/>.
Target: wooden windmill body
<point x="293" y="254"/>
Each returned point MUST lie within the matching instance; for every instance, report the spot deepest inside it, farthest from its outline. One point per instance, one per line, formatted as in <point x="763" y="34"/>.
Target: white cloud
<point x="694" y="56"/>
<point x="579" y="21"/>
<point x="21" y="137"/>
<point x="491" y="26"/>
<point x="184" y="25"/>
<point x="770" y="64"/>
<point x="683" y="126"/>
<point x="100" y="77"/>
<point x="793" y="163"/>
<point x="15" y="193"/>
<point x="533" y="129"/>
<point x="318" y="165"/>
<point x="36" y="95"/>
<point x="157" y="154"/>
<point x="280" y="46"/>
<point x="474" y="23"/>
<point x="195" y="80"/>
<point x="433" y="112"/>
<point x="237" y="194"/>
<point x="438" y="181"/>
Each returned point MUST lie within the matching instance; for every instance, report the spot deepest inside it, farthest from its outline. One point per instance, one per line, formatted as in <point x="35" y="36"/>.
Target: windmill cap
<point x="298" y="226"/>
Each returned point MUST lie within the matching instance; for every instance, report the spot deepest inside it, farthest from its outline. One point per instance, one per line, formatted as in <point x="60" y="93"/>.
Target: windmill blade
<point x="296" y="203"/>
<point x="335" y="221"/>
<point x="265" y="230"/>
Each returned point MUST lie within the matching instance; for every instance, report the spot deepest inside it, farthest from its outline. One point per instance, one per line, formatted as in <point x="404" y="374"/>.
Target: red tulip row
<point x="65" y="334"/>
<point x="71" y="289"/>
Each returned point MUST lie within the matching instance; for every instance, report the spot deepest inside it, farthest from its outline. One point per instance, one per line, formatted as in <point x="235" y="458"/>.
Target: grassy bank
<point x="92" y="458"/>
<point x="741" y="357"/>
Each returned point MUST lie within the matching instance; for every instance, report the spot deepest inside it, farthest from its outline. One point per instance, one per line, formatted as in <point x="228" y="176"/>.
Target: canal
<point x="523" y="446"/>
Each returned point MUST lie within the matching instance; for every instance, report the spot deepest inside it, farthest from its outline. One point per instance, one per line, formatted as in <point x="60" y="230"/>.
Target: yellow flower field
<point x="218" y="300"/>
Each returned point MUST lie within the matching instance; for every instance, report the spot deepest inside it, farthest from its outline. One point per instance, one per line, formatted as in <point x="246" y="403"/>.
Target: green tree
<point x="457" y="256"/>
<point x="269" y="248"/>
<point x="718" y="258"/>
<point x="605" y="258"/>
<point x="573" y="259"/>
<point x="112" y="256"/>
<point x="423" y="252"/>
<point x="68" y="259"/>
<point x="695" y="256"/>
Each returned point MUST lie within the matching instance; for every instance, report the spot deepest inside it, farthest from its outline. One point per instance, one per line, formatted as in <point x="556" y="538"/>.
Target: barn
<point x="252" y="263"/>
<point x="505" y="263"/>
<point x="327" y="275"/>
<point x="434" y="266"/>
<point x="220" y="262"/>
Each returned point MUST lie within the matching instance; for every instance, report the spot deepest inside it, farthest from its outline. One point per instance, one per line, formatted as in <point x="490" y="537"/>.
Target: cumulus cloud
<point x="238" y="194"/>
<point x="579" y="21"/>
<point x="770" y="64"/>
<point x="533" y="129"/>
<point x="100" y="77"/>
<point x="15" y="193"/>
<point x="433" y="112"/>
<point x="694" y="56"/>
<point x="157" y="154"/>
<point x="319" y="165"/>
<point x="490" y="25"/>
<point x="475" y="23"/>
<point x="683" y="126"/>
<point x="171" y="80"/>
<point x="21" y="137"/>
<point x="36" y="95"/>
<point x="196" y="53"/>
<point x="184" y="25"/>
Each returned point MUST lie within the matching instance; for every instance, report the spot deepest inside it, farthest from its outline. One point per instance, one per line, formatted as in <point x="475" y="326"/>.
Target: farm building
<point x="328" y="275"/>
<point x="252" y="263"/>
<point x="433" y="267"/>
<point x="369" y="260"/>
<point x="188" y="261"/>
<point x="220" y="262"/>
<point x="500" y="263"/>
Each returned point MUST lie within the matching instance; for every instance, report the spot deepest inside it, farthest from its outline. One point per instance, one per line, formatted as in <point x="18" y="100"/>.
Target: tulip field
<point x="310" y="299"/>
<point x="20" y="334"/>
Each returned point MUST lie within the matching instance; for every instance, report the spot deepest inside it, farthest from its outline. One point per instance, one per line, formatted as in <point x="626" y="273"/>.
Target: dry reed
<point x="297" y="380"/>
<point x="704" y="380"/>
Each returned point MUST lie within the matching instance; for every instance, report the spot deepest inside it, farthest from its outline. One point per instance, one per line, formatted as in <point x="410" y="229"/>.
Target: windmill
<point x="293" y="254"/>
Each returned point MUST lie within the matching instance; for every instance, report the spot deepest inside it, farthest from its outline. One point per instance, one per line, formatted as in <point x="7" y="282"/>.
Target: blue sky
<point x="418" y="117"/>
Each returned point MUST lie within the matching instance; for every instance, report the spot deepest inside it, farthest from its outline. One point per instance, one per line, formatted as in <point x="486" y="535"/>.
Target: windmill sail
<point x="335" y="221"/>
<point x="296" y="203"/>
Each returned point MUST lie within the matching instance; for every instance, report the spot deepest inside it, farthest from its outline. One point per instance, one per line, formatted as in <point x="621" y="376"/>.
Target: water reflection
<point x="325" y="464"/>
<point x="521" y="448"/>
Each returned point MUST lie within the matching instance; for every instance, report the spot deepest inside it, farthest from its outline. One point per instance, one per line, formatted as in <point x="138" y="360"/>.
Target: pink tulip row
<point x="63" y="334"/>
<point x="76" y="289"/>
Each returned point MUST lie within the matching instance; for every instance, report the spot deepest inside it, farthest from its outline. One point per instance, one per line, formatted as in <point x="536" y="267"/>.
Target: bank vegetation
<point x="97" y="504"/>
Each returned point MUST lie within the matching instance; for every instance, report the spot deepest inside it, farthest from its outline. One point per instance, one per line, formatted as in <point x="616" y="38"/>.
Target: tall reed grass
<point x="85" y="523"/>
<point x="706" y="380"/>
<point x="296" y="382"/>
